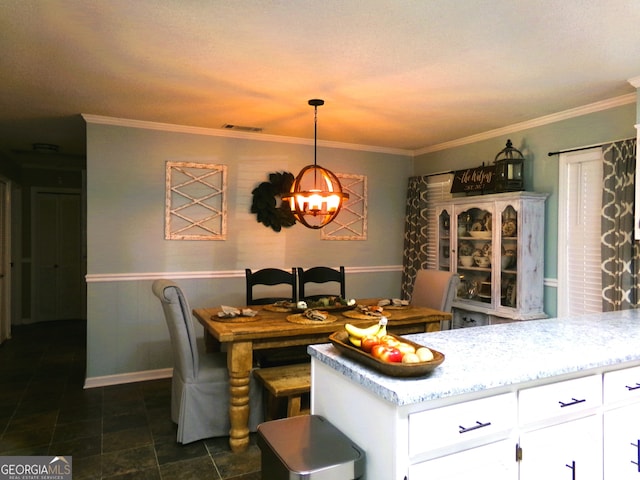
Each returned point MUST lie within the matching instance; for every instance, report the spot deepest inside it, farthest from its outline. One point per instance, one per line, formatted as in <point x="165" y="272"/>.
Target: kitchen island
<point x="522" y="400"/>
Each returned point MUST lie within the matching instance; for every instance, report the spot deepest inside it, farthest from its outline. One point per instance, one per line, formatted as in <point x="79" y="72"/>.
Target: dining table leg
<point x="239" y="363"/>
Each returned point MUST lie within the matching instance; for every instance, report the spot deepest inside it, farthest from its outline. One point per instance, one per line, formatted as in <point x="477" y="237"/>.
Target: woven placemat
<point x="276" y="308"/>
<point x="363" y="316"/>
<point x="301" y="319"/>
<point x="239" y="319"/>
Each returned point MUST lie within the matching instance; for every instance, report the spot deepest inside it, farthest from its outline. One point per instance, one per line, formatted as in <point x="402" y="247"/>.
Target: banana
<point x="355" y="341"/>
<point x="356" y="332"/>
<point x="382" y="331"/>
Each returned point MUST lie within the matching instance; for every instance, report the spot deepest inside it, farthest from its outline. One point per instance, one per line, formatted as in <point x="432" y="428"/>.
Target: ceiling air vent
<point x="241" y="128"/>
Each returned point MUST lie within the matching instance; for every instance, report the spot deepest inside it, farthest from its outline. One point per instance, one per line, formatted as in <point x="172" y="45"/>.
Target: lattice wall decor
<point x="351" y="222"/>
<point x="196" y="201"/>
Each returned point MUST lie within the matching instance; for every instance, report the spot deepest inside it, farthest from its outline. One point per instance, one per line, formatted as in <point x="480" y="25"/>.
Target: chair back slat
<point x="321" y="275"/>
<point x="271" y="277"/>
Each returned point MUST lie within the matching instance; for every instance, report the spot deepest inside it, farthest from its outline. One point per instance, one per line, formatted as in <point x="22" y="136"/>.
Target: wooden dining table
<point x="241" y="336"/>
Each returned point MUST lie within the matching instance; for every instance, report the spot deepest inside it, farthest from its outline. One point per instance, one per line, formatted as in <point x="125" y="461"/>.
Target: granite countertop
<point x="494" y="356"/>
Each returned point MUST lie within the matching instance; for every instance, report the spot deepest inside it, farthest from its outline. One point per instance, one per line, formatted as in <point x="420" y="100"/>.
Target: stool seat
<point x="286" y="381"/>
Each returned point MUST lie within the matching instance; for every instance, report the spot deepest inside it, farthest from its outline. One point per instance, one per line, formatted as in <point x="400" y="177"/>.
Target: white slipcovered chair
<point x="435" y="289"/>
<point x="200" y="383"/>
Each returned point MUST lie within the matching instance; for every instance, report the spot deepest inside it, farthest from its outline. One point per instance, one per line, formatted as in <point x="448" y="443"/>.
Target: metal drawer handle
<point x="637" y="462"/>
<point x="573" y="469"/>
<point x="635" y="387"/>
<point x="574" y="401"/>
<point x="475" y="427"/>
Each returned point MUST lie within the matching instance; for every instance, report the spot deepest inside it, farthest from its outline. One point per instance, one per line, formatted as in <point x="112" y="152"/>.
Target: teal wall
<point x="125" y="222"/>
<point x="541" y="170"/>
<point x="127" y="250"/>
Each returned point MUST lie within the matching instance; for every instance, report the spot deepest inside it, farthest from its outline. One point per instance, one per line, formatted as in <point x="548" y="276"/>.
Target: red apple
<point x="368" y="342"/>
<point x="387" y="353"/>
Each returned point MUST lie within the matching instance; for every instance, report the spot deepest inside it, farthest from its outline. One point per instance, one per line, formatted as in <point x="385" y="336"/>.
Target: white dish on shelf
<point x="466" y="260"/>
<point x="483" y="262"/>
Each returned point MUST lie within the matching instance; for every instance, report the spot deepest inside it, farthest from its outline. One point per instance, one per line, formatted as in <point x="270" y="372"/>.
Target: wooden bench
<point x="285" y="381"/>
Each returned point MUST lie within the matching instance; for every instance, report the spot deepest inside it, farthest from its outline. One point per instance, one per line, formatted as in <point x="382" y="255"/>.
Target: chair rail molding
<point x="137" y="276"/>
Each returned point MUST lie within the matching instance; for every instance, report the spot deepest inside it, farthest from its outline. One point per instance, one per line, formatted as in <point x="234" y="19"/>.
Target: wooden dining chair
<point x="271" y="277"/>
<point x="435" y="289"/>
<point x="200" y="383"/>
<point x="321" y="275"/>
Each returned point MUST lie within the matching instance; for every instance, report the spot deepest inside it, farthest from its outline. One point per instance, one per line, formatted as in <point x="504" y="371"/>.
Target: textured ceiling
<point x="402" y="74"/>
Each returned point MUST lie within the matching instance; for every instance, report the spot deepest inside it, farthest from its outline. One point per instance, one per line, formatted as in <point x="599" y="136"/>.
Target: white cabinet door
<point x="622" y="443"/>
<point x="496" y="461"/>
<point x="567" y="451"/>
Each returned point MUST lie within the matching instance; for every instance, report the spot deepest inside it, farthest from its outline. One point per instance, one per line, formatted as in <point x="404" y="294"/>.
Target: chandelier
<point x="316" y="195"/>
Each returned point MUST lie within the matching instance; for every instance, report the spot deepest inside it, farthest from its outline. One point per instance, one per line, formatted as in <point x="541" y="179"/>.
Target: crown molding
<point x="263" y="137"/>
<point x="635" y="81"/>
<point x="536" y="122"/>
<point x="217" y="132"/>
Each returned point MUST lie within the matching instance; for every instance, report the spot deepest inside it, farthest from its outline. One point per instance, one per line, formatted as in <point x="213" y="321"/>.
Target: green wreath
<point x="264" y="202"/>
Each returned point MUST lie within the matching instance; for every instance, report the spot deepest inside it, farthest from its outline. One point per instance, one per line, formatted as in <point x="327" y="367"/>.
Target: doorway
<point x="5" y="259"/>
<point x="58" y="286"/>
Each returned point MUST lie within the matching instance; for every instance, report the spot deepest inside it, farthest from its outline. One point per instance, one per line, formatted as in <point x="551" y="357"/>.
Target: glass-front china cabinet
<point x="495" y="243"/>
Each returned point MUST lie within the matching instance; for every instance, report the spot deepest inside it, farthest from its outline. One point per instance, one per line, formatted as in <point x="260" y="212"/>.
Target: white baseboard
<point x="104" y="381"/>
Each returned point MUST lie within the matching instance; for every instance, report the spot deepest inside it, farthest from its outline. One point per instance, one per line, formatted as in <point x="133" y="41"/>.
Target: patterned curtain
<point x="620" y="252"/>
<point x="415" y="233"/>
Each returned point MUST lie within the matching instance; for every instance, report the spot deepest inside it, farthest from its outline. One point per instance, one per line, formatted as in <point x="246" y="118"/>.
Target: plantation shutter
<point x="579" y="251"/>
<point x="438" y="188"/>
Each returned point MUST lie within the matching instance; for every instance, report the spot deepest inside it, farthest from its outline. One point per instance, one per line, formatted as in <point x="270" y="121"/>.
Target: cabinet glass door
<point x="474" y="250"/>
<point x="509" y="258"/>
<point x="444" y="245"/>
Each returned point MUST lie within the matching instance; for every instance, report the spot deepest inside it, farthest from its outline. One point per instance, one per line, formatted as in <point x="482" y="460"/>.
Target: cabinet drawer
<point x="559" y="399"/>
<point x="491" y="417"/>
<point x="467" y="318"/>
<point x="622" y="385"/>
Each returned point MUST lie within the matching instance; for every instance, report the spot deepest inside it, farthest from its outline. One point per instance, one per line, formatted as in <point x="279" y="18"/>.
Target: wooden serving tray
<point x="330" y="308"/>
<point x="341" y="341"/>
<point x="294" y="309"/>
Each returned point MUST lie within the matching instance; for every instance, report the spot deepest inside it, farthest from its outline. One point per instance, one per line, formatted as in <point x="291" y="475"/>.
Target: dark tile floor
<point x="117" y="432"/>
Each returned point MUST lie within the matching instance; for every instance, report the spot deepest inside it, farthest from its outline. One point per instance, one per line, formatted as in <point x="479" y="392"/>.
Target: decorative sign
<point x="474" y="180"/>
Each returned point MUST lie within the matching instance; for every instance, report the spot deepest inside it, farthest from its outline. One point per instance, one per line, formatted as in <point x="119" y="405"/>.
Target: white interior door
<point x="5" y="255"/>
<point x="58" y="283"/>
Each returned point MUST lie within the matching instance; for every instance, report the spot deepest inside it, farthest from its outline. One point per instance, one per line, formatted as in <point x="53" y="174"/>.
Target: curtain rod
<point x="551" y="154"/>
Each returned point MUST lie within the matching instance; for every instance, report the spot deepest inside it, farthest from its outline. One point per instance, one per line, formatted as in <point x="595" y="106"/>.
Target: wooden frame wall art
<point x="195" y="201"/>
<point x="351" y="222"/>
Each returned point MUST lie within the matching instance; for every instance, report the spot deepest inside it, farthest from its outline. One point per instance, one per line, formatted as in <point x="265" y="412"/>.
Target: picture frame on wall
<point x="351" y="222"/>
<point x="195" y="201"/>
